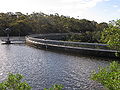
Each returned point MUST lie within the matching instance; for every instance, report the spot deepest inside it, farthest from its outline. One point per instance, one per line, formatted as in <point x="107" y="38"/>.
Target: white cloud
<point x="105" y="10"/>
<point x="76" y="7"/>
<point x="72" y="8"/>
<point x="80" y="5"/>
<point x="115" y="6"/>
<point x="106" y="0"/>
<point x="118" y="10"/>
<point x="55" y="5"/>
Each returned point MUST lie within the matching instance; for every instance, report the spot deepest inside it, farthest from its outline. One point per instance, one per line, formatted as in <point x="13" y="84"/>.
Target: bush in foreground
<point x="108" y="76"/>
<point x="55" y="87"/>
<point x="13" y="82"/>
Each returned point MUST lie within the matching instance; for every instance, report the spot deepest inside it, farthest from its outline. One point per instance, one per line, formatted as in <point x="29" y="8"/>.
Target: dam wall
<point x="54" y="42"/>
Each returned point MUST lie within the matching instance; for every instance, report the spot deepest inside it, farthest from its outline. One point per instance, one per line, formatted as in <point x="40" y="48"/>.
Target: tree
<point x="111" y="35"/>
<point x="110" y="76"/>
<point x="38" y="23"/>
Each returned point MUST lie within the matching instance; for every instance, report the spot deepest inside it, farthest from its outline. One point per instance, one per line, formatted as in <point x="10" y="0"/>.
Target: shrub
<point x="13" y="82"/>
<point x="55" y="87"/>
<point x="108" y="76"/>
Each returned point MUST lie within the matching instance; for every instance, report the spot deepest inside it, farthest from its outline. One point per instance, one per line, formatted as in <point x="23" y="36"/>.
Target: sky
<point x="97" y="10"/>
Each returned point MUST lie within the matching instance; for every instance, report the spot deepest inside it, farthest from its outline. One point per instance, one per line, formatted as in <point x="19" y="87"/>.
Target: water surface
<point x="43" y="68"/>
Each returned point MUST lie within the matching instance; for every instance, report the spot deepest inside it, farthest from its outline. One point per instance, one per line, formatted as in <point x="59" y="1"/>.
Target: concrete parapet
<point x="48" y="42"/>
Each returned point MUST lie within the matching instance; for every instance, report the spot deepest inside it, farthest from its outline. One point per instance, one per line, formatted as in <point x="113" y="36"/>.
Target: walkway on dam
<point x="95" y="49"/>
<point x="71" y="47"/>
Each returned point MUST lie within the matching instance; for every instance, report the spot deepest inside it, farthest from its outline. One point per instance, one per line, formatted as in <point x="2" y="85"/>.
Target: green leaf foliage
<point x="111" y="35"/>
<point x="40" y="23"/>
<point x="55" y="87"/>
<point x="13" y="82"/>
<point x="108" y="76"/>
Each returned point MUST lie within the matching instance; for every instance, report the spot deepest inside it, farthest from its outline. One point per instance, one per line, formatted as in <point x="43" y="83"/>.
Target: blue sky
<point x="97" y="10"/>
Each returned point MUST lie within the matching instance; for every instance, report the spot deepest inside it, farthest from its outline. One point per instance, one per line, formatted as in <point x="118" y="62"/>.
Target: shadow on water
<point x="78" y="55"/>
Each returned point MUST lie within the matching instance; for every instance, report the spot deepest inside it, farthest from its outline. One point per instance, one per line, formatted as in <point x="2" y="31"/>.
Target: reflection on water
<point x="43" y="68"/>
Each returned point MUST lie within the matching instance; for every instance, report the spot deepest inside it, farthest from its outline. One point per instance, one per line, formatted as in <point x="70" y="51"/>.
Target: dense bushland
<point x="25" y="24"/>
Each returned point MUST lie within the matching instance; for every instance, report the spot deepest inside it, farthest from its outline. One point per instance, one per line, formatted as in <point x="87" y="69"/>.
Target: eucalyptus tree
<point x="111" y="35"/>
<point x="53" y="23"/>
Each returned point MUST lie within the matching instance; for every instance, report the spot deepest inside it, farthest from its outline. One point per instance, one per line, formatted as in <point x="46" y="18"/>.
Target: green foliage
<point x="25" y="24"/>
<point x="92" y="37"/>
<point x="111" y="35"/>
<point x="13" y="82"/>
<point x="108" y="76"/>
<point x="74" y="37"/>
<point x="55" y="87"/>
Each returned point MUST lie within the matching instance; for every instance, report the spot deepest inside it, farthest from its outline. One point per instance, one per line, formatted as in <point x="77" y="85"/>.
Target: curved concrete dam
<point x="54" y="42"/>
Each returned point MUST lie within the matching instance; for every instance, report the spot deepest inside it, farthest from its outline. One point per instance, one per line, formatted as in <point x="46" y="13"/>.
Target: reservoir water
<point x="43" y="68"/>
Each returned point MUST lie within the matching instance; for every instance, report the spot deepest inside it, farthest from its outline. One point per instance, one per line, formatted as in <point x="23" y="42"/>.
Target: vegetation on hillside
<point x="25" y="24"/>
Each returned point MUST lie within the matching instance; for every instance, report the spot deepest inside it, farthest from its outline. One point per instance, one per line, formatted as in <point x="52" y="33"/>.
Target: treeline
<point x="25" y="24"/>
